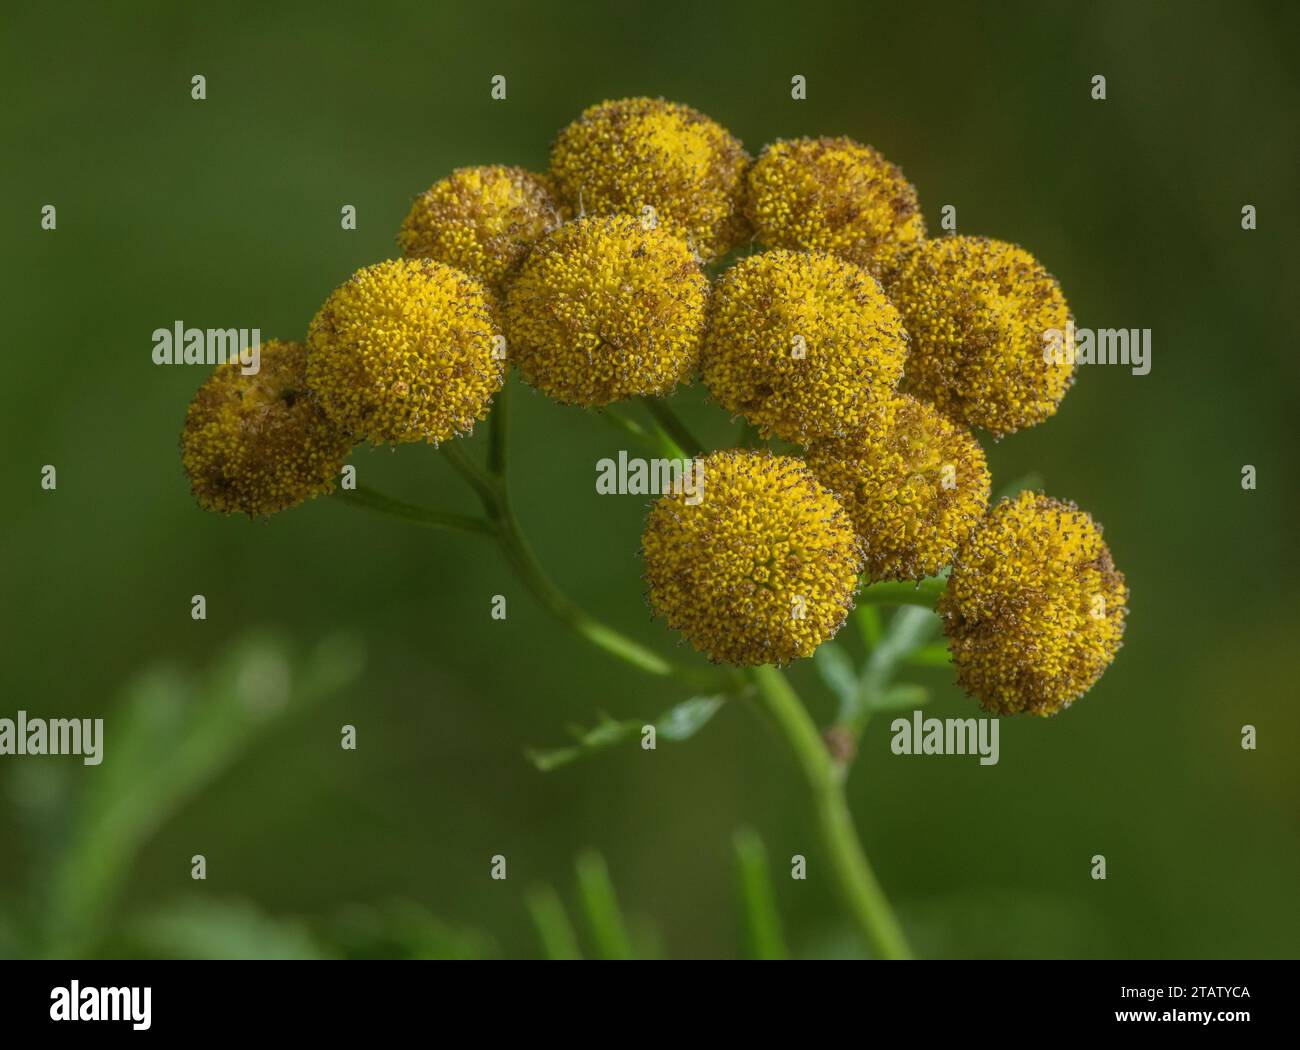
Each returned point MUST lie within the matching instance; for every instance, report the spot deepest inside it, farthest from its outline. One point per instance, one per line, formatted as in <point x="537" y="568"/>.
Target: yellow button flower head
<point x="761" y="569"/>
<point x="606" y="308"/>
<point x="258" y="444"/>
<point x="802" y="344"/>
<point x="639" y="153"/>
<point x="406" y="350"/>
<point x="914" y="483"/>
<point x="979" y="311"/>
<point x="481" y="220"/>
<point x="1034" y="609"/>
<point x="833" y="195"/>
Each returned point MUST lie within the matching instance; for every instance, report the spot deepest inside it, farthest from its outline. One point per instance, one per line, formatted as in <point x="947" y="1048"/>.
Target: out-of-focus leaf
<point x="171" y="735"/>
<point x="206" y="929"/>
<point x="678" y="723"/>
<point x="402" y="929"/>
<point x="869" y="625"/>
<point x="837" y="671"/>
<point x="552" y="922"/>
<point x="901" y="697"/>
<point x="759" y="915"/>
<point x="600" y="905"/>
<point x="933" y="655"/>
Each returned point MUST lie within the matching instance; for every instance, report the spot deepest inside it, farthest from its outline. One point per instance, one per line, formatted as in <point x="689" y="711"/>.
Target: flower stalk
<point x="857" y="883"/>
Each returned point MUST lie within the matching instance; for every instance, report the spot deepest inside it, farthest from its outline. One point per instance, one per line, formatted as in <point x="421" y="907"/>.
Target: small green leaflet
<point x="677" y="723"/>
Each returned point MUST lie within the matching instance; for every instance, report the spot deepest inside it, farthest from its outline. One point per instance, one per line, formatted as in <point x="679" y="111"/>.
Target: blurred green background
<point x="225" y="212"/>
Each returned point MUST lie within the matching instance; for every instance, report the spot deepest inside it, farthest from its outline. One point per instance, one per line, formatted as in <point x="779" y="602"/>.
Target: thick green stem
<point x="857" y="883"/>
<point x="672" y="426"/>
<point x="434" y="519"/>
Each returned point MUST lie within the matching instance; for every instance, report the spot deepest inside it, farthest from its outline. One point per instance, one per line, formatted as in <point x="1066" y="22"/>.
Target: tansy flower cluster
<point x="801" y="288"/>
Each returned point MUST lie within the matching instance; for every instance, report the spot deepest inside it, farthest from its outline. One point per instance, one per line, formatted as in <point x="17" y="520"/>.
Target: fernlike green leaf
<point x="688" y="718"/>
<point x="678" y="723"/>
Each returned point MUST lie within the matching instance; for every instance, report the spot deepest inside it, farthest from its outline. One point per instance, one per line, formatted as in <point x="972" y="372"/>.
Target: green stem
<point x="434" y="519"/>
<point x="672" y="426"/>
<point x="925" y="593"/>
<point x="494" y="495"/>
<point x="520" y="556"/>
<point x="861" y="892"/>
<point x="656" y="441"/>
<point x="487" y="488"/>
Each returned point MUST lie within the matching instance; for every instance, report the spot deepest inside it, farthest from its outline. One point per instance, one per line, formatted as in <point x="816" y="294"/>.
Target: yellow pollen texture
<point x="833" y="195"/>
<point x="481" y="220"/>
<point x="1034" y="609"/>
<point x="803" y="345"/>
<point x="406" y="350"/>
<point x="605" y="309"/>
<point x="914" y="483"/>
<point x="978" y="312"/>
<point x="761" y="570"/>
<point x="622" y="156"/>
<point x="258" y="444"/>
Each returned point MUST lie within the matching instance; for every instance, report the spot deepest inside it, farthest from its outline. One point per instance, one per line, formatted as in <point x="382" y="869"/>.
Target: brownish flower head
<point x="481" y="220"/>
<point x="407" y="350"/>
<point x="258" y="444"/>
<point x="802" y="344"/>
<point x="834" y="195"/>
<point x="1034" y="609"/>
<point x="760" y="566"/>
<point x="914" y="482"/>
<point x="605" y="309"/>
<point x="660" y="161"/>
<point x="979" y="313"/>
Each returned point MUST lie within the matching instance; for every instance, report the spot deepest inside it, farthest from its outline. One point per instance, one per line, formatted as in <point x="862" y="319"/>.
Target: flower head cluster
<point x="759" y="561"/>
<point x="607" y="308"/>
<point x="802" y="344"/>
<point x="978" y="311"/>
<point x="834" y="195"/>
<point x="661" y="161"/>
<point x="1034" y="609"/>
<point x="257" y="444"/>
<point x="914" y="483"/>
<point x="481" y="220"/>
<point x="761" y="569"/>
<point x="406" y="350"/>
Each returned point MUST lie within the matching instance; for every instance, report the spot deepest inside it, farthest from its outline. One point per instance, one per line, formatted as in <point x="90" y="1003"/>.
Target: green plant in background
<point x="857" y="348"/>
<point x="175" y="733"/>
